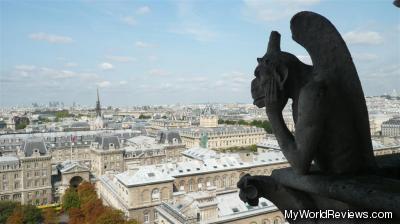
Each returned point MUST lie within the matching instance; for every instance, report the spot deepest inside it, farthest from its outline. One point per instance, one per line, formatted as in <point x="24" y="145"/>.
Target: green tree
<point x="16" y="217"/>
<point x="32" y="215"/>
<point x="267" y="126"/>
<point x="253" y="148"/>
<point x="62" y="114"/>
<point x="6" y="209"/>
<point x="70" y="199"/>
<point x="142" y="116"/>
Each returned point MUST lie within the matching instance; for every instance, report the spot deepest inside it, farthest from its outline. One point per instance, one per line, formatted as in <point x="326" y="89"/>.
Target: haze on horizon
<point x="167" y="52"/>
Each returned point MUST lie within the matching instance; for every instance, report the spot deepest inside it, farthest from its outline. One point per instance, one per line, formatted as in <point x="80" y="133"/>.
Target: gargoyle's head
<point x="271" y="73"/>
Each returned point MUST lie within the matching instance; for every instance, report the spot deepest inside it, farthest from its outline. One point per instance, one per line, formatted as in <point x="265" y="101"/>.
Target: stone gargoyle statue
<point x="332" y="131"/>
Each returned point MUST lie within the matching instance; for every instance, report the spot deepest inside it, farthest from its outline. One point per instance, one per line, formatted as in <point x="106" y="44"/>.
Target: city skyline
<point x="156" y="52"/>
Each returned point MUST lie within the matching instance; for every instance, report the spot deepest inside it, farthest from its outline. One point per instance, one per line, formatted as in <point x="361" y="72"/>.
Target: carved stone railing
<point x="379" y="192"/>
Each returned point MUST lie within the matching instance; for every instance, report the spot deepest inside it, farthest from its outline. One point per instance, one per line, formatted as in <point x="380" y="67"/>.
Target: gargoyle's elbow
<point x="301" y="169"/>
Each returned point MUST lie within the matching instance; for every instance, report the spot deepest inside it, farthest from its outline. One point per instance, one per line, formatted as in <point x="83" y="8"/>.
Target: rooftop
<point x="8" y="159"/>
<point x="200" y="153"/>
<point x="167" y="171"/>
<point x="142" y="175"/>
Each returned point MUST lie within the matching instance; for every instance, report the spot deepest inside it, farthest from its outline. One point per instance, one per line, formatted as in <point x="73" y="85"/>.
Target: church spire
<point x="98" y="107"/>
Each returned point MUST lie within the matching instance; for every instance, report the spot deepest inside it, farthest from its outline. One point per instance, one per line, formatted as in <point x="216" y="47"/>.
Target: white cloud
<point x="275" y="9"/>
<point x="129" y="20"/>
<point x="152" y="58"/>
<point x="191" y="23"/>
<point x="123" y="82"/>
<point x="50" y="73"/>
<point x="306" y="59"/>
<point x="103" y="84"/>
<point x="120" y="58"/>
<point x="106" y="66"/>
<point x="70" y="64"/>
<point x="234" y="80"/>
<point x="51" y="38"/>
<point x="158" y="72"/>
<point x="142" y="44"/>
<point x="25" y="67"/>
<point x="365" y="56"/>
<point x="199" y="33"/>
<point x="143" y="10"/>
<point x="362" y="37"/>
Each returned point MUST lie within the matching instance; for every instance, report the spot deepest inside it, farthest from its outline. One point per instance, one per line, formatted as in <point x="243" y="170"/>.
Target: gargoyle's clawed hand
<point x="248" y="190"/>
<point x="274" y="99"/>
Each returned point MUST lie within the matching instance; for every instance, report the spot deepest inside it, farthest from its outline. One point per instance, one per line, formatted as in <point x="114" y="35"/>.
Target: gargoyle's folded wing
<point x="331" y="58"/>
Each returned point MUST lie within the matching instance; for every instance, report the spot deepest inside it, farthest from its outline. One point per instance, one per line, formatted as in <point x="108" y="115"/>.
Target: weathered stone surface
<point x="331" y="129"/>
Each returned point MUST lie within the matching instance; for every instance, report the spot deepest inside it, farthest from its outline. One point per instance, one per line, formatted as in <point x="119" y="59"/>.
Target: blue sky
<point x="165" y="52"/>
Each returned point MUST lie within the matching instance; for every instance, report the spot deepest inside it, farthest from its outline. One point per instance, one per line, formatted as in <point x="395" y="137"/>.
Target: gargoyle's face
<point x="270" y="76"/>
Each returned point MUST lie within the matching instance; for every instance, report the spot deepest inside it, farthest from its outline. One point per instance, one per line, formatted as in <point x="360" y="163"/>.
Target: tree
<point x="76" y="216"/>
<point x="142" y="116"/>
<point x="20" y="122"/>
<point x="92" y="210"/>
<point x="253" y="148"/>
<point x="132" y="222"/>
<point x="49" y="216"/>
<point x="111" y="216"/>
<point x="32" y="215"/>
<point x="6" y="209"/>
<point x="16" y="217"/>
<point x="70" y="199"/>
<point x="242" y="122"/>
<point x="86" y="193"/>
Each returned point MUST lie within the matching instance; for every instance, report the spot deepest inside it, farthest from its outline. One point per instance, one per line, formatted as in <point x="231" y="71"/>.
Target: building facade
<point x="391" y="127"/>
<point x="155" y="184"/>
<point x="222" y="137"/>
<point x="26" y="176"/>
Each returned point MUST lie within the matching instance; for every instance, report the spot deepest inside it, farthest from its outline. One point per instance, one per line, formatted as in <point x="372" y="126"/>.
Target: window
<point x="146" y="218"/>
<point x="190" y="185"/>
<point x="16" y="196"/>
<point x="155" y="194"/>
<point x="155" y="215"/>
<point x="277" y="220"/>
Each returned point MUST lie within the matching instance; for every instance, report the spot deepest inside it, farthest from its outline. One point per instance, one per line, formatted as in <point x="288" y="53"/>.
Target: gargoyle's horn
<point x="274" y="44"/>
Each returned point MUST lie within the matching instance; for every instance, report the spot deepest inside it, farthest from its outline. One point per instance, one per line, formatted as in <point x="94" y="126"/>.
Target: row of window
<point x="9" y="197"/>
<point x="37" y="183"/>
<point x="36" y="173"/>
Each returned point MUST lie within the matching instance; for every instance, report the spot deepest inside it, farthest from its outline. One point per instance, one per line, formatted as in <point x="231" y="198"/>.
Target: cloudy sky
<point x="164" y="52"/>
